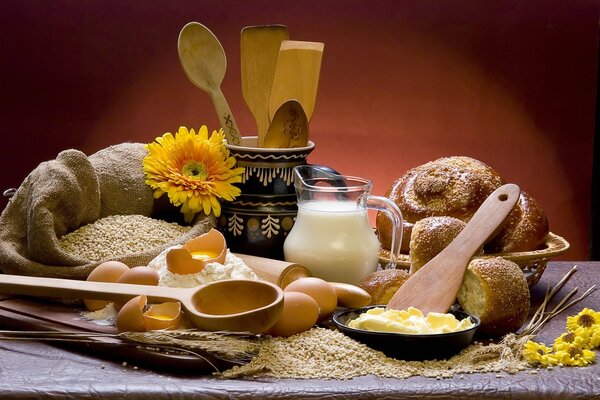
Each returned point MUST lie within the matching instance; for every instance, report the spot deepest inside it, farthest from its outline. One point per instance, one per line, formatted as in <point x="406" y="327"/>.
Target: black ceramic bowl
<point x="405" y="346"/>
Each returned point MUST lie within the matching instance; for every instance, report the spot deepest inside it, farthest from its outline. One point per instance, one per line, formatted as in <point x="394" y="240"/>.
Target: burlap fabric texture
<point x="64" y="194"/>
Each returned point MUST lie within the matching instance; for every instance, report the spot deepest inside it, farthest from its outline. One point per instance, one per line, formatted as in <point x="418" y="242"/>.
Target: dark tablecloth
<point x="36" y="370"/>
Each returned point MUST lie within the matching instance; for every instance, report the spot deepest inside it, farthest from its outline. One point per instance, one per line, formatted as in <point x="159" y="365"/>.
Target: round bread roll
<point x="449" y="186"/>
<point x="496" y="291"/>
<point x="526" y="228"/>
<point x="430" y="236"/>
<point x="382" y="285"/>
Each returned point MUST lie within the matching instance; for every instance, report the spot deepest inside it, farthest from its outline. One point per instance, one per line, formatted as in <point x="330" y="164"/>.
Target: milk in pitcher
<point x="334" y="240"/>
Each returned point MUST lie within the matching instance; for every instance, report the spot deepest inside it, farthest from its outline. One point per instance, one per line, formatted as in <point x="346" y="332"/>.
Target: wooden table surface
<point x="33" y="370"/>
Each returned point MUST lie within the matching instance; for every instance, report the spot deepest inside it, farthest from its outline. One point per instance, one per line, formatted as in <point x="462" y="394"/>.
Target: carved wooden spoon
<point x="203" y="60"/>
<point x="434" y="287"/>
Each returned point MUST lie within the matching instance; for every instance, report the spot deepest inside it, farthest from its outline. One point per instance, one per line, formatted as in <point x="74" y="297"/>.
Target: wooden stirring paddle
<point x="259" y="49"/>
<point x="434" y="287"/>
<point x="296" y="75"/>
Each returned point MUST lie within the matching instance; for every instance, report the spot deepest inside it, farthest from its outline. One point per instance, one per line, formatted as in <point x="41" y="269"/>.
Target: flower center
<point x="568" y="337"/>
<point x="575" y="351"/>
<point x="195" y="169"/>
<point x="586" y="320"/>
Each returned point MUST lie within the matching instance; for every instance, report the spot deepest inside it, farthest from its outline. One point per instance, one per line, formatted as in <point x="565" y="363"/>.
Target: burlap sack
<point x="64" y="194"/>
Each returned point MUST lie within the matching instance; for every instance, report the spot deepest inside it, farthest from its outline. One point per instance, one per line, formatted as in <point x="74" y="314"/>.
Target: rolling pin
<point x="282" y="273"/>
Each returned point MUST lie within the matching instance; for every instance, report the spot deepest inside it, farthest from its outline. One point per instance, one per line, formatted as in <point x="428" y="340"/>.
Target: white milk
<point x="334" y="240"/>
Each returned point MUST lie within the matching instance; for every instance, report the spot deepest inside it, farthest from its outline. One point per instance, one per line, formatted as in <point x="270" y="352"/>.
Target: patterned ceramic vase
<point x="258" y="221"/>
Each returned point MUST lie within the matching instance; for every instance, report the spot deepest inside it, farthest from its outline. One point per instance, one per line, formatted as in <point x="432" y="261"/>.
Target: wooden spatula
<point x="297" y="75"/>
<point x="434" y="287"/>
<point x="259" y="49"/>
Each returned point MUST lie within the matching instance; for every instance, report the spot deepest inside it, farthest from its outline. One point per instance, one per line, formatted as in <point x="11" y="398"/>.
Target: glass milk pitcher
<point x="332" y="235"/>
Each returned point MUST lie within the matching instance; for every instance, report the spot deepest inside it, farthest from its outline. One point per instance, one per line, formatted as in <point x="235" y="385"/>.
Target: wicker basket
<point x="533" y="263"/>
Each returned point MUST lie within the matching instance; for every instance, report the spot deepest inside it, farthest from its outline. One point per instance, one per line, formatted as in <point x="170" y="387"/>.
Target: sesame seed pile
<point x="120" y="235"/>
<point x="322" y="353"/>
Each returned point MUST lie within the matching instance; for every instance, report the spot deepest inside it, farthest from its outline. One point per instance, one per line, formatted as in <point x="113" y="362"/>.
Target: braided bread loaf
<point x="456" y="187"/>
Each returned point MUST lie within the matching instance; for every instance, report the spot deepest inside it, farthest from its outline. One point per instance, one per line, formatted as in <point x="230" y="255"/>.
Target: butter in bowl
<point x="408" y="334"/>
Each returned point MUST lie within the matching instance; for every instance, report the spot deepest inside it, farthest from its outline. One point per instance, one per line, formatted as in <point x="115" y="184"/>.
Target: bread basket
<point x="533" y="263"/>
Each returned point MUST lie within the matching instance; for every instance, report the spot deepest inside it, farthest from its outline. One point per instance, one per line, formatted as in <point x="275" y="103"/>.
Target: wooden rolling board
<point x="24" y="314"/>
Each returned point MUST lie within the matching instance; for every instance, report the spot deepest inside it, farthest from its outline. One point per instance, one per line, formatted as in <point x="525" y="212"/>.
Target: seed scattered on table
<point x="119" y="235"/>
<point x="322" y="353"/>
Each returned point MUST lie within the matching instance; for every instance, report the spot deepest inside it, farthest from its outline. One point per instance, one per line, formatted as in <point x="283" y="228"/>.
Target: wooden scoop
<point x="289" y="127"/>
<point x="296" y="75"/>
<point x="233" y="305"/>
<point x="203" y="60"/>
<point x="434" y="287"/>
<point x="259" y="49"/>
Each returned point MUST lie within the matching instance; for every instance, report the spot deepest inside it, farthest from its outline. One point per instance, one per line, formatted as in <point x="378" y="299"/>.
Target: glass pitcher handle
<point x="393" y="212"/>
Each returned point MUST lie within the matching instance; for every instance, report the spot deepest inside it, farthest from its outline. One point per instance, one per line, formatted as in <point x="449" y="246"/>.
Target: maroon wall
<point x="511" y="83"/>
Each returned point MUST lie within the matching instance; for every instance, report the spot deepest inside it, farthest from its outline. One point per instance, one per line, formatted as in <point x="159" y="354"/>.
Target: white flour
<point x="234" y="268"/>
<point x="104" y="316"/>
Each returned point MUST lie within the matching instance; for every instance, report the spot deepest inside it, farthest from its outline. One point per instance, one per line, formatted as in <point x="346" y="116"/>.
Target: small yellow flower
<point x="538" y="353"/>
<point x="580" y="338"/>
<point x="573" y="355"/>
<point x="586" y="319"/>
<point x="194" y="170"/>
<point x="594" y="338"/>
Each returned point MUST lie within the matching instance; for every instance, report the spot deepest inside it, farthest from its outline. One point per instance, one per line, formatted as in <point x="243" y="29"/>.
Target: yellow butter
<point x="410" y="321"/>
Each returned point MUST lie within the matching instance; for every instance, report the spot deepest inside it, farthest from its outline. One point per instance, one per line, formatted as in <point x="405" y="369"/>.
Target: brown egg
<point x="321" y="291"/>
<point x="109" y="271"/>
<point x="139" y="276"/>
<point x="131" y="316"/>
<point x="299" y="313"/>
<point x="193" y="256"/>
<point x="163" y="316"/>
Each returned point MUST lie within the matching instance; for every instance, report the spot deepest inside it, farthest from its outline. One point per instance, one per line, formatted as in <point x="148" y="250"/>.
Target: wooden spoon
<point x="296" y="75"/>
<point x="234" y="305"/>
<point x="203" y="60"/>
<point x="289" y="127"/>
<point x="434" y="287"/>
<point x="259" y="49"/>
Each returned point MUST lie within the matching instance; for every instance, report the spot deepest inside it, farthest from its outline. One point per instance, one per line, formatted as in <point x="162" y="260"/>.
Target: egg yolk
<point x="204" y="255"/>
<point x="162" y="317"/>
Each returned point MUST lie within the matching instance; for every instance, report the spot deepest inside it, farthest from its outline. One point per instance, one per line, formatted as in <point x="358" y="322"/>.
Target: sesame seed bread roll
<point x="430" y="236"/>
<point x="449" y="186"/>
<point x="526" y="228"/>
<point x="496" y="291"/>
<point x="382" y="285"/>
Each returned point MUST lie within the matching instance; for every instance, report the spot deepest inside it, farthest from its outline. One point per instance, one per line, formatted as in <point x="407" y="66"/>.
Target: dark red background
<point x="512" y="83"/>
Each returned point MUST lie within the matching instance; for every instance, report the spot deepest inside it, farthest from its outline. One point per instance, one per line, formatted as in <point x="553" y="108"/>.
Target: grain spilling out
<point x="119" y="235"/>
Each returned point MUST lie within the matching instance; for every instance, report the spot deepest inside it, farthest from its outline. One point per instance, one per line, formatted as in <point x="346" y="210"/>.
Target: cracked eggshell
<point x="131" y="316"/>
<point x="196" y="253"/>
<point x="163" y="316"/>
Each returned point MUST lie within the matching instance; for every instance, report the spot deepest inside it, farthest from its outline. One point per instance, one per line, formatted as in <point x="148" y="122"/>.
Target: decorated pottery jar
<point x="258" y="221"/>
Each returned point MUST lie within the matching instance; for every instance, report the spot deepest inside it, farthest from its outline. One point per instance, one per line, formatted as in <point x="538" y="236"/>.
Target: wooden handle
<point x="434" y="287"/>
<point x="230" y="128"/>
<point x="73" y="289"/>
<point x="278" y="272"/>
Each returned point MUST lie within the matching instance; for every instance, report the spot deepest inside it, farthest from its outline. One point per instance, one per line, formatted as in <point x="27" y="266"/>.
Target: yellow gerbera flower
<point x="575" y="356"/>
<point x="194" y="170"/>
<point x="586" y="319"/>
